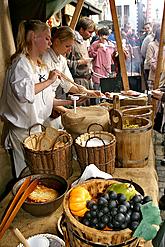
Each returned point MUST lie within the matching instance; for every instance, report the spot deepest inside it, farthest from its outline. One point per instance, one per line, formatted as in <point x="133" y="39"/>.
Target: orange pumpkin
<point x="77" y="200"/>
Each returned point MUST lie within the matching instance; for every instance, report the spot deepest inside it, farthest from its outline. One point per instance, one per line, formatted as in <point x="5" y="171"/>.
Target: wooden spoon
<point x="20" y="236"/>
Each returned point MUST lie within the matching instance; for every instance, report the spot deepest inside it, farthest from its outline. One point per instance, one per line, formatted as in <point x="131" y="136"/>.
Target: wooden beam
<point x="159" y="60"/>
<point x="119" y="45"/>
<point x="160" y="52"/>
<point x="76" y="13"/>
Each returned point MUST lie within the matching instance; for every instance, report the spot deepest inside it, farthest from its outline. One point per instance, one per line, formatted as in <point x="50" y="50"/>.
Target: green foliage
<point x="151" y="219"/>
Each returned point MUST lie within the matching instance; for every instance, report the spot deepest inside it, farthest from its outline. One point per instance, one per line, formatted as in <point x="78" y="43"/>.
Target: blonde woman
<point x="62" y="42"/>
<point x="27" y="96"/>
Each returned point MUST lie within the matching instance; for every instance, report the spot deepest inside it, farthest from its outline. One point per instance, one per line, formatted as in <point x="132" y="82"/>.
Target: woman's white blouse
<point x="60" y="63"/>
<point x="19" y="104"/>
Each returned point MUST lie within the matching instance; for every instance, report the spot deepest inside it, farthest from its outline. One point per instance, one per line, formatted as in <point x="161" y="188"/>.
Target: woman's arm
<point x="61" y="102"/>
<point x="93" y="49"/>
<point x="42" y="85"/>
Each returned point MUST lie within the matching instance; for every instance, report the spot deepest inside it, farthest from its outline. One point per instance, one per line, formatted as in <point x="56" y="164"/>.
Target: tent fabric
<point x="36" y="9"/>
<point x="7" y="47"/>
<point x="25" y="10"/>
<point x="54" y="6"/>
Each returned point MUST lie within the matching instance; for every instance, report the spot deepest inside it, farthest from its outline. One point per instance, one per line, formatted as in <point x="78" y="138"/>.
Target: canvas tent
<point x="41" y="9"/>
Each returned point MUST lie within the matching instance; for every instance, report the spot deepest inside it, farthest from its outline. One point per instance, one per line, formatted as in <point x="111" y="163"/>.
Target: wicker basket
<point x="78" y="235"/>
<point x="55" y="161"/>
<point x="102" y="156"/>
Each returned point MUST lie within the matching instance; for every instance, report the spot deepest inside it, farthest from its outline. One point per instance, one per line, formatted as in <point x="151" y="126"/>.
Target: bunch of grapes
<point x="112" y="210"/>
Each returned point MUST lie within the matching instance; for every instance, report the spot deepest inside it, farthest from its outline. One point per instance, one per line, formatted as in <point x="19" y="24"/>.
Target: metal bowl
<point x="45" y="208"/>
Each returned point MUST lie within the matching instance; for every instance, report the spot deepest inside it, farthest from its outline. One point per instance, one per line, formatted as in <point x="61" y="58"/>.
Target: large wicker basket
<point x="102" y="156"/>
<point x="55" y="161"/>
<point x="78" y="235"/>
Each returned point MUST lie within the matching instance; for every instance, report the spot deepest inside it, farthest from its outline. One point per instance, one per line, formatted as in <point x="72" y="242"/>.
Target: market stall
<point x="29" y="225"/>
<point x="145" y="176"/>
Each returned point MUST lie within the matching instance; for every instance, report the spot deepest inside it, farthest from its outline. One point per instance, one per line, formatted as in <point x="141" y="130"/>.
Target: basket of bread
<point x="49" y="151"/>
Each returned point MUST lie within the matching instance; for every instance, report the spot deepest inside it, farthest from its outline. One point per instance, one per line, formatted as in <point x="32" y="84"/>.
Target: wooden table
<point x="29" y="225"/>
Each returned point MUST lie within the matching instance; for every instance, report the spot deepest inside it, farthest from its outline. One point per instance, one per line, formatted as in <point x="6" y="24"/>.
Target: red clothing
<point x="102" y="59"/>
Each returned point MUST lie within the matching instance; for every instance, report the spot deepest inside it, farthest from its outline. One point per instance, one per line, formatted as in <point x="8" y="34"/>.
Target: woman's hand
<point x="53" y="75"/>
<point x="94" y="93"/>
<point x="83" y="61"/>
<point x="157" y="94"/>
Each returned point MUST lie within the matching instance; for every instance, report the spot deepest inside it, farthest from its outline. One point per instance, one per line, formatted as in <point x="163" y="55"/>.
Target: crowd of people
<point x="48" y="64"/>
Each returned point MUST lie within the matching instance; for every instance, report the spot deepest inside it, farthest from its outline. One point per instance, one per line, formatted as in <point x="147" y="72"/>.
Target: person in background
<point x="151" y="56"/>
<point x="27" y="96"/>
<point x="94" y="37"/>
<point x="78" y="59"/>
<point x="149" y="38"/>
<point x="111" y="36"/>
<point x="147" y="30"/>
<point x="55" y="58"/>
<point x="101" y="52"/>
<point x="159" y="121"/>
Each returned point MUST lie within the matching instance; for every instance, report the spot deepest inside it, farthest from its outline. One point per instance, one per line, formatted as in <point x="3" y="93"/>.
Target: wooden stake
<point x="159" y="60"/>
<point x="160" y="52"/>
<point x="76" y="13"/>
<point x="119" y="45"/>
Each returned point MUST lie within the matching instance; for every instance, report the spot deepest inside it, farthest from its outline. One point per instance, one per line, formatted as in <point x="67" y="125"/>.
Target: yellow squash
<point x="78" y="199"/>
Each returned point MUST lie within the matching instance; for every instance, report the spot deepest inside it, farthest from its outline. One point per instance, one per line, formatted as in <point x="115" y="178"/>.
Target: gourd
<point x="125" y="188"/>
<point x="77" y="200"/>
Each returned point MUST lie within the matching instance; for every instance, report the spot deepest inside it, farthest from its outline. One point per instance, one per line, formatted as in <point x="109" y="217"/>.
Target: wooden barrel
<point x="133" y="144"/>
<point x="101" y="152"/>
<point x="78" y="235"/>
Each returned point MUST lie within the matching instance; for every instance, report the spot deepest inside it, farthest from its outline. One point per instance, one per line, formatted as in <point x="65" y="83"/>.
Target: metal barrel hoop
<point x="90" y="243"/>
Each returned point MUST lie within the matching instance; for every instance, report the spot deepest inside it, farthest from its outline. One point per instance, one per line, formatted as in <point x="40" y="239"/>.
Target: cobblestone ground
<point x="159" y="149"/>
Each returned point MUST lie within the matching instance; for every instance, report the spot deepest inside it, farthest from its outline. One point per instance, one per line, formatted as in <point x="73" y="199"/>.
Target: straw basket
<point x="78" y="235"/>
<point x="54" y="161"/>
<point x="103" y="156"/>
<point x="133" y="141"/>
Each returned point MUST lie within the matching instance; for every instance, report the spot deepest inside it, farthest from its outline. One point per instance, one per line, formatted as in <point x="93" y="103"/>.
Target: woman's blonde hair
<point x="63" y="33"/>
<point x="23" y="38"/>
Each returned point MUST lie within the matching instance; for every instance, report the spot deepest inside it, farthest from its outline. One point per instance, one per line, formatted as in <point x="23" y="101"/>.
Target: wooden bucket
<point x="103" y="156"/>
<point x="132" y="144"/>
<point x="57" y="161"/>
<point x="144" y="112"/>
<point x="78" y="235"/>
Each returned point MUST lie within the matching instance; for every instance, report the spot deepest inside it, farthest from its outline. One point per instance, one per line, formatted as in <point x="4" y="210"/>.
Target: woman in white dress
<point x="27" y="96"/>
<point x="63" y="39"/>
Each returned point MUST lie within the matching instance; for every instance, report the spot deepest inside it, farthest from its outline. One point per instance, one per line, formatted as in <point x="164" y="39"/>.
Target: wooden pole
<point x="119" y="45"/>
<point x="76" y="13"/>
<point x="159" y="60"/>
<point x="160" y="52"/>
